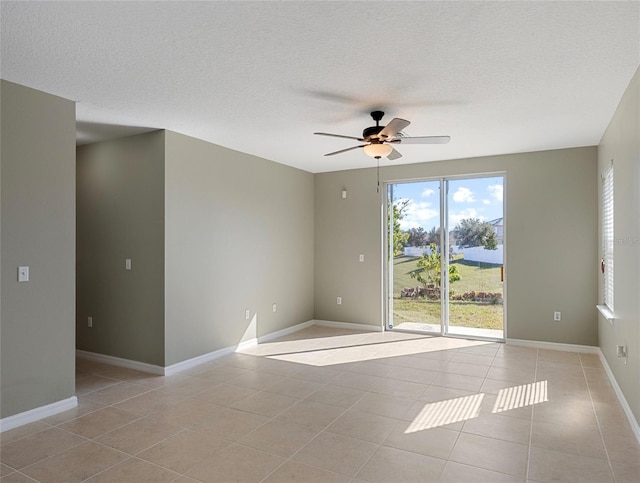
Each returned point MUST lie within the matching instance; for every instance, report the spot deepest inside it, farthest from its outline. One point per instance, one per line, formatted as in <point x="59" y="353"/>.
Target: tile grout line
<point x="533" y="408"/>
<point x="595" y="413"/>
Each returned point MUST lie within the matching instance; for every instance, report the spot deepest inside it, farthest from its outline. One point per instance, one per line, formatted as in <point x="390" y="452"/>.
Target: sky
<point x="468" y="198"/>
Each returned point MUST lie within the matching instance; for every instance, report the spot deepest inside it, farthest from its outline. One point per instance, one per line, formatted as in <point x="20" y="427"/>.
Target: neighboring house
<point x="498" y="226"/>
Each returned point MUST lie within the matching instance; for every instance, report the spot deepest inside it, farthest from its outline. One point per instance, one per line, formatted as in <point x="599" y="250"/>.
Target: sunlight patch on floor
<point x="446" y="412"/>
<point x="520" y="396"/>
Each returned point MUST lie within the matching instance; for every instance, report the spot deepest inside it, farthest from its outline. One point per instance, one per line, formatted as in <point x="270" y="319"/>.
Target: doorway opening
<point x="445" y="256"/>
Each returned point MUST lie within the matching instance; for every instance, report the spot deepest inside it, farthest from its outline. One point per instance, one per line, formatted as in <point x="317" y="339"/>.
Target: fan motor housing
<point x="372" y="131"/>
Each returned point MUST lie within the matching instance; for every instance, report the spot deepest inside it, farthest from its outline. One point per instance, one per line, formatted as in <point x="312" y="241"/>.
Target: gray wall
<point x="38" y="230"/>
<point x="239" y="235"/>
<point x="551" y="232"/>
<point x="621" y="142"/>
<point x="120" y="198"/>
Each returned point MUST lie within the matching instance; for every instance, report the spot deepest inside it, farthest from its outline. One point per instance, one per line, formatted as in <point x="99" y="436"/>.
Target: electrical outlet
<point x="621" y="351"/>
<point x="127" y="264"/>
<point x="339" y="300"/>
<point x="89" y="322"/>
<point x="274" y="308"/>
<point x="557" y="316"/>
<point x="247" y="314"/>
<point x="361" y="258"/>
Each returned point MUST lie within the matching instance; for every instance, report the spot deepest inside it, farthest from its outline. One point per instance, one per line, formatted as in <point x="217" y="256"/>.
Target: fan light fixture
<point x="378" y="150"/>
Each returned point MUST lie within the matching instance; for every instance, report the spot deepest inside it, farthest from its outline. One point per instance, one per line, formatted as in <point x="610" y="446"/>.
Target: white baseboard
<point x="210" y="356"/>
<point x="118" y="361"/>
<point x="556" y="346"/>
<point x="348" y="325"/>
<point x="11" y="422"/>
<point x="623" y="401"/>
<point x="283" y="332"/>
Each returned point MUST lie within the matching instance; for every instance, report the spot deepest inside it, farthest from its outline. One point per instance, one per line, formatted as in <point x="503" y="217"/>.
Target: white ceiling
<point x="261" y="77"/>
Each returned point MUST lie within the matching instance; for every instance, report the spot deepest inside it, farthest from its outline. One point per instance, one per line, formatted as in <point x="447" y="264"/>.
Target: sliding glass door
<point x="445" y="252"/>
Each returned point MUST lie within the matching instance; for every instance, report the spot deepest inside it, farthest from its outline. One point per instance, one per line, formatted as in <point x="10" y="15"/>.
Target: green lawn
<point x="474" y="276"/>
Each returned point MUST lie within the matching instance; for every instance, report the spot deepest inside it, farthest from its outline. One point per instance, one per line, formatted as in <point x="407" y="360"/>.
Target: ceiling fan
<point x="380" y="139"/>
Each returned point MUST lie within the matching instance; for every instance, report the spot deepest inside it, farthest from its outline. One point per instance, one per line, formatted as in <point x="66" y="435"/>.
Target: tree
<point x="419" y="237"/>
<point x="471" y="232"/>
<point x="399" y="237"/>
<point x="428" y="271"/>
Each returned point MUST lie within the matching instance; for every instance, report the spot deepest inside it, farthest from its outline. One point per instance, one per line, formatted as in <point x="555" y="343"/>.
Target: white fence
<point x="472" y="254"/>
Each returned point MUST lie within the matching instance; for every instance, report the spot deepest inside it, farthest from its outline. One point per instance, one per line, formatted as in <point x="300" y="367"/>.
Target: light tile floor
<point x="331" y="405"/>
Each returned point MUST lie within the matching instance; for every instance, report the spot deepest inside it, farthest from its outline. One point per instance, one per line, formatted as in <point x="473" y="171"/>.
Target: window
<point x="607" y="238"/>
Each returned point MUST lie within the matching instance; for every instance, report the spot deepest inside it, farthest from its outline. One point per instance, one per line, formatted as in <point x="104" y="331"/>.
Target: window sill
<point x="607" y="313"/>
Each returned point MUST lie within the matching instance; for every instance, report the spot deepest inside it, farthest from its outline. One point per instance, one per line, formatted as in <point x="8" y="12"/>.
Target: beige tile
<point x="135" y="471"/>
<point x="257" y="380"/>
<point x="336" y="396"/>
<point x="265" y="404"/>
<point x="150" y="402"/>
<point x="76" y="464"/>
<point x="458" y="381"/>
<point x="117" y="393"/>
<point x="390" y="464"/>
<point x="309" y="413"/>
<point x="5" y="470"/>
<point x="578" y="439"/>
<point x="561" y="357"/>
<point x="225" y="394"/>
<point x="360" y="382"/>
<point x="626" y="473"/>
<point x="436" y="442"/>
<point x="35" y="447"/>
<point x="236" y="463"/>
<point x="296" y="472"/>
<point x="93" y="382"/>
<point x="458" y="473"/>
<point x="188" y="386"/>
<point x="548" y="465"/>
<point x="337" y="453"/>
<point x="402" y="389"/>
<point x="418" y="376"/>
<point x="475" y="359"/>
<point x="365" y="426"/>
<point x="382" y="405"/>
<point x="294" y="388"/>
<point x="183" y="451"/>
<point x="23" y="431"/>
<point x="124" y="374"/>
<point x="512" y="374"/>
<point x="279" y="437"/>
<point x="138" y="435"/>
<point x="320" y="375"/>
<point x="499" y="427"/>
<point x="449" y="414"/>
<point x="99" y="422"/>
<point x="187" y="412"/>
<point x="85" y="406"/>
<point x="622" y="446"/>
<point x="491" y="454"/>
<point x="439" y="393"/>
<point x="230" y="424"/>
<point x="494" y="405"/>
<point x="466" y="369"/>
<point x="16" y="477"/>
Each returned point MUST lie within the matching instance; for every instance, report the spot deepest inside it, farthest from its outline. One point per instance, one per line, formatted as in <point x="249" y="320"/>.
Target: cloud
<point x="455" y="217"/>
<point x="486" y="202"/>
<point x="428" y="192"/>
<point x="496" y="191"/>
<point x="419" y="214"/>
<point x="463" y="195"/>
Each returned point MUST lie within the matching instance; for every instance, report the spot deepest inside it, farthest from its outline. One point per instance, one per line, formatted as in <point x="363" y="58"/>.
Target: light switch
<point x="361" y="257"/>
<point x="127" y="264"/>
<point x="23" y="274"/>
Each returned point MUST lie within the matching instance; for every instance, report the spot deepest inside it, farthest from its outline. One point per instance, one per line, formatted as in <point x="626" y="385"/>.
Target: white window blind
<point x="607" y="237"/>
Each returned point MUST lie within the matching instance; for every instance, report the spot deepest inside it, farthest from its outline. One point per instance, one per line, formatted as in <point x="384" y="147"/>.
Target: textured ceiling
<point x="261" y="77"/>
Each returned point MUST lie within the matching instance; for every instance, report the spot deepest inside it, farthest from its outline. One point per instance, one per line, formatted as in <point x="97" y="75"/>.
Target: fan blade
<point x="394" y="155"/>
<point x="423" y="140"/>
<point x="345" y="150"/>
<point x="394" y="127"/>
<point x="337" y="136"/>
